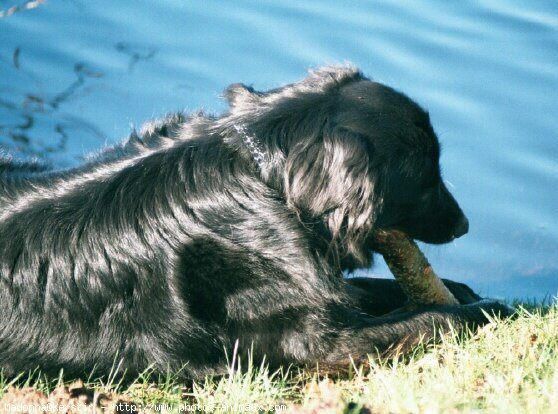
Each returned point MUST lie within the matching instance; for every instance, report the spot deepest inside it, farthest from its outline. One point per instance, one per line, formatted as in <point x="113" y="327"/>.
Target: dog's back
<point x="77" y="248"/>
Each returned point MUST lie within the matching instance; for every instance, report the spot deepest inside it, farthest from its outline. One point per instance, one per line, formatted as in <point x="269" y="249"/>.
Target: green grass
<point x="507" y="367"/>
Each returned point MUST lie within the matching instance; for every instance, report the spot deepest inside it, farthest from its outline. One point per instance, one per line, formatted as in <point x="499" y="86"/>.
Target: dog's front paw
<point x="463" y="293"/>
<point x="493" y="308"/>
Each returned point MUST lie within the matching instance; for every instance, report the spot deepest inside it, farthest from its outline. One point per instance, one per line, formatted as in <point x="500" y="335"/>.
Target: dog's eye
<point x="430" y="194"/>
<point x="403" y="206"/>
<point x="425" y="196"/>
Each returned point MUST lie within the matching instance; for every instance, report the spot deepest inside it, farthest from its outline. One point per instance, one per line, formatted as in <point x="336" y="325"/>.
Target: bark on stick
<point x="411" y="269"/>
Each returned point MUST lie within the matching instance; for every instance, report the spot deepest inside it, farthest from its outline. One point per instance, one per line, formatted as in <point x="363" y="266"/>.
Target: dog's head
<point x="353" y="154"/>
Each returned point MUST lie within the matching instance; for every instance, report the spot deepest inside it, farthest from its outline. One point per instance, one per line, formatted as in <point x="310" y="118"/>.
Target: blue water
<point x="76" y="75"/>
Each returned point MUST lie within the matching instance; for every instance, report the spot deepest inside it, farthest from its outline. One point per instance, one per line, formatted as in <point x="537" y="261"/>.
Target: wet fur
<point x="165" y="250"/>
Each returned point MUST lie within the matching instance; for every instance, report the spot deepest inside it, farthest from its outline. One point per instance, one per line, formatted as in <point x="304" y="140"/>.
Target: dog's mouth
<point x="437" y="233"/>
<point x="436" y="236"/>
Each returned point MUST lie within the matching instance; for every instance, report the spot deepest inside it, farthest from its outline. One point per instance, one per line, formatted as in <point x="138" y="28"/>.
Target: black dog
<point x="204" y="230"/>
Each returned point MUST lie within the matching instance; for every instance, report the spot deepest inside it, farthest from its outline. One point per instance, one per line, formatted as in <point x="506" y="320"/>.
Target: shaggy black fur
<point x="166" y="250"/>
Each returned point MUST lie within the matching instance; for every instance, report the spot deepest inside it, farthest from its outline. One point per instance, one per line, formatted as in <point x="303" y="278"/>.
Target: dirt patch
<point x="324" y="398"/>
<point x="69" y="399"/>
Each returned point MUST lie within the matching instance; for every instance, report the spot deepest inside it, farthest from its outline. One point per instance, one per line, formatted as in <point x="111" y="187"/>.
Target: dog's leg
<point x="377" y="297"/>
<point x="330" y="334"/>
<point x="358" y="336"/>
<point x="275" y="315"/>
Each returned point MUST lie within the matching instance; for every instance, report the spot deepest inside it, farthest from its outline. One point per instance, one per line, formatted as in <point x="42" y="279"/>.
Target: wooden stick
<point x="411" y="269"/>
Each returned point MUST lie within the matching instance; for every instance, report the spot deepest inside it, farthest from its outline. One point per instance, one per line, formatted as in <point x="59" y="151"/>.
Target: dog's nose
<point x="462" y="227"/>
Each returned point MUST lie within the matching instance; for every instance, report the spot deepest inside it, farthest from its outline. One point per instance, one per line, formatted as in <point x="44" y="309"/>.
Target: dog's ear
<point x="330" y="178"/>
<point x="239" y="94"/>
